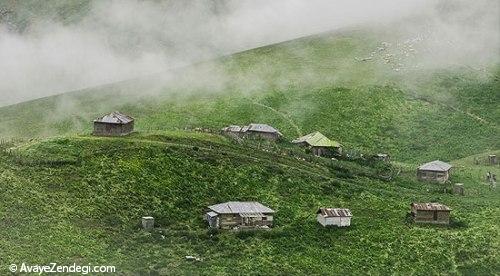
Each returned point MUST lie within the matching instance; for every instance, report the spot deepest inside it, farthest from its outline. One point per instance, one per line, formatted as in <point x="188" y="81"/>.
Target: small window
<point x="264" y="218"/>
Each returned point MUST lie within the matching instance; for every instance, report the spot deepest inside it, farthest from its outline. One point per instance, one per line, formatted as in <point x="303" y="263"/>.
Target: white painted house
<point x="334" y="216"/>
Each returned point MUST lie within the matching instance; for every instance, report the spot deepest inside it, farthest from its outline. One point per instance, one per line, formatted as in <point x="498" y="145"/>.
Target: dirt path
<point x="283" y="115"/>
<point x="467" y="113"/>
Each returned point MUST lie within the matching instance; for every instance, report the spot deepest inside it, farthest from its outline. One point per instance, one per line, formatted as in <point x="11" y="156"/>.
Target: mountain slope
<point x="315" y="83"/>
<point x="80" y="199"/>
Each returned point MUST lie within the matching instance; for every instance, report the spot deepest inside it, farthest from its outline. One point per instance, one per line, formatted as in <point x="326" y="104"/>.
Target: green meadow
<point x="69" y="197"/>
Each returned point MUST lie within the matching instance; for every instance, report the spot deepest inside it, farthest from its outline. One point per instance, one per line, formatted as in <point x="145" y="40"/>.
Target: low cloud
<point x="118" y="40"/>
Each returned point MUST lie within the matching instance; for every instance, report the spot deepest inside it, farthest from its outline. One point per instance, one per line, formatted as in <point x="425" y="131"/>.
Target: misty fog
<point x="118" y="40"/>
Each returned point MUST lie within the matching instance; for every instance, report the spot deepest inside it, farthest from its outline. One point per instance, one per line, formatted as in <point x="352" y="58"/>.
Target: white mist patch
<point x="63" y="59"/>
<point x="125" y="39"/>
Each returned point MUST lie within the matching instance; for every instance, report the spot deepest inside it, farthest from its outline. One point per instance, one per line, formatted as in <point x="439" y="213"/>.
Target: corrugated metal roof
<point x="430" y="207"/>
<point x="334" y="212"/>
<point x="212" y="214"/>
<point x="252" y="127"/>
<point x="262" y="128"/>
<point x="115" y="118"/>
<point x="252" y="215"/>
<point x="436" y="165"/>
<point x="316" y="139"/>
<point x="232" y="128"/>
<point x="238" y="207"/>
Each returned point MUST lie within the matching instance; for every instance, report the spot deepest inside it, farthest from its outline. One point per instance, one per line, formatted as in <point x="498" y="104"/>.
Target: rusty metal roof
<point x="115" y="118"/>
<point x="437" y="165"/>
<point x="334" y="212"/>
<point x="430" y="206"/>
<point x="238" y="207"/>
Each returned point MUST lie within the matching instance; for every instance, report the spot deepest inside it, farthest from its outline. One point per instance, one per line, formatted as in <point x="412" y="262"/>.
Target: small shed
<point x="434" y="213"/>
<point x="319" y="144"/>
<point x="458" y="189"/>
<point x="148" y="223"/>
<point x="492" y="159"/>
<point x="261" y="131"/>
<point x="437" y="171"/>
<point x="334" y="217"/>
<point x="237" y="214"/>
<point x="113" y="124"/>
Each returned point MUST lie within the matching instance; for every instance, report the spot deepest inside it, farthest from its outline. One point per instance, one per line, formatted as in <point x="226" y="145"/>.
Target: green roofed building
<point x="319" y="144"/>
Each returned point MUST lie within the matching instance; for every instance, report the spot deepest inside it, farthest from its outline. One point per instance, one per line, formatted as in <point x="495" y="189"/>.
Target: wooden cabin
<point x="319" y="144"/>
<point x="257" y="131"/>
<point x="334" y="217"/>
<point x="434" y="213"/>
<point x="437" y="171"/>
<point x="113" y="124"/>
<point x="233" y="131"/>
<point x="237" y="214"/>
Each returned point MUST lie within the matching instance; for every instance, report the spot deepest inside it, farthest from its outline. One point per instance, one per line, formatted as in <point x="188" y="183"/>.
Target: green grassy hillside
<point x="315" y="83"/>
<point x="69" y="197"/>
<point x="80" y="199"/>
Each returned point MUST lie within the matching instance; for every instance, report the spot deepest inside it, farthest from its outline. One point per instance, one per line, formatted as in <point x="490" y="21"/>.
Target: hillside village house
<point x="236" y="214"/>
<point x="262" y="131"/>
<point x="438" y="171"/>
<point x="334" y="217"/>
<point x="434" y="213"/>
<point x="113" y="124"/>
<point x="319" y="144"/>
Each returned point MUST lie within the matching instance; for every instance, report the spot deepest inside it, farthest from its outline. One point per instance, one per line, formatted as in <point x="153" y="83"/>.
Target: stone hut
<point x="434" y="213"/>
<point x="437" y="171"/>
<point x="319" y="144"/>
<point x="334" y="217"/>
<point x="237" y="214"/>
<point x="259" y="131"/>
<point x="113" y="124"/>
